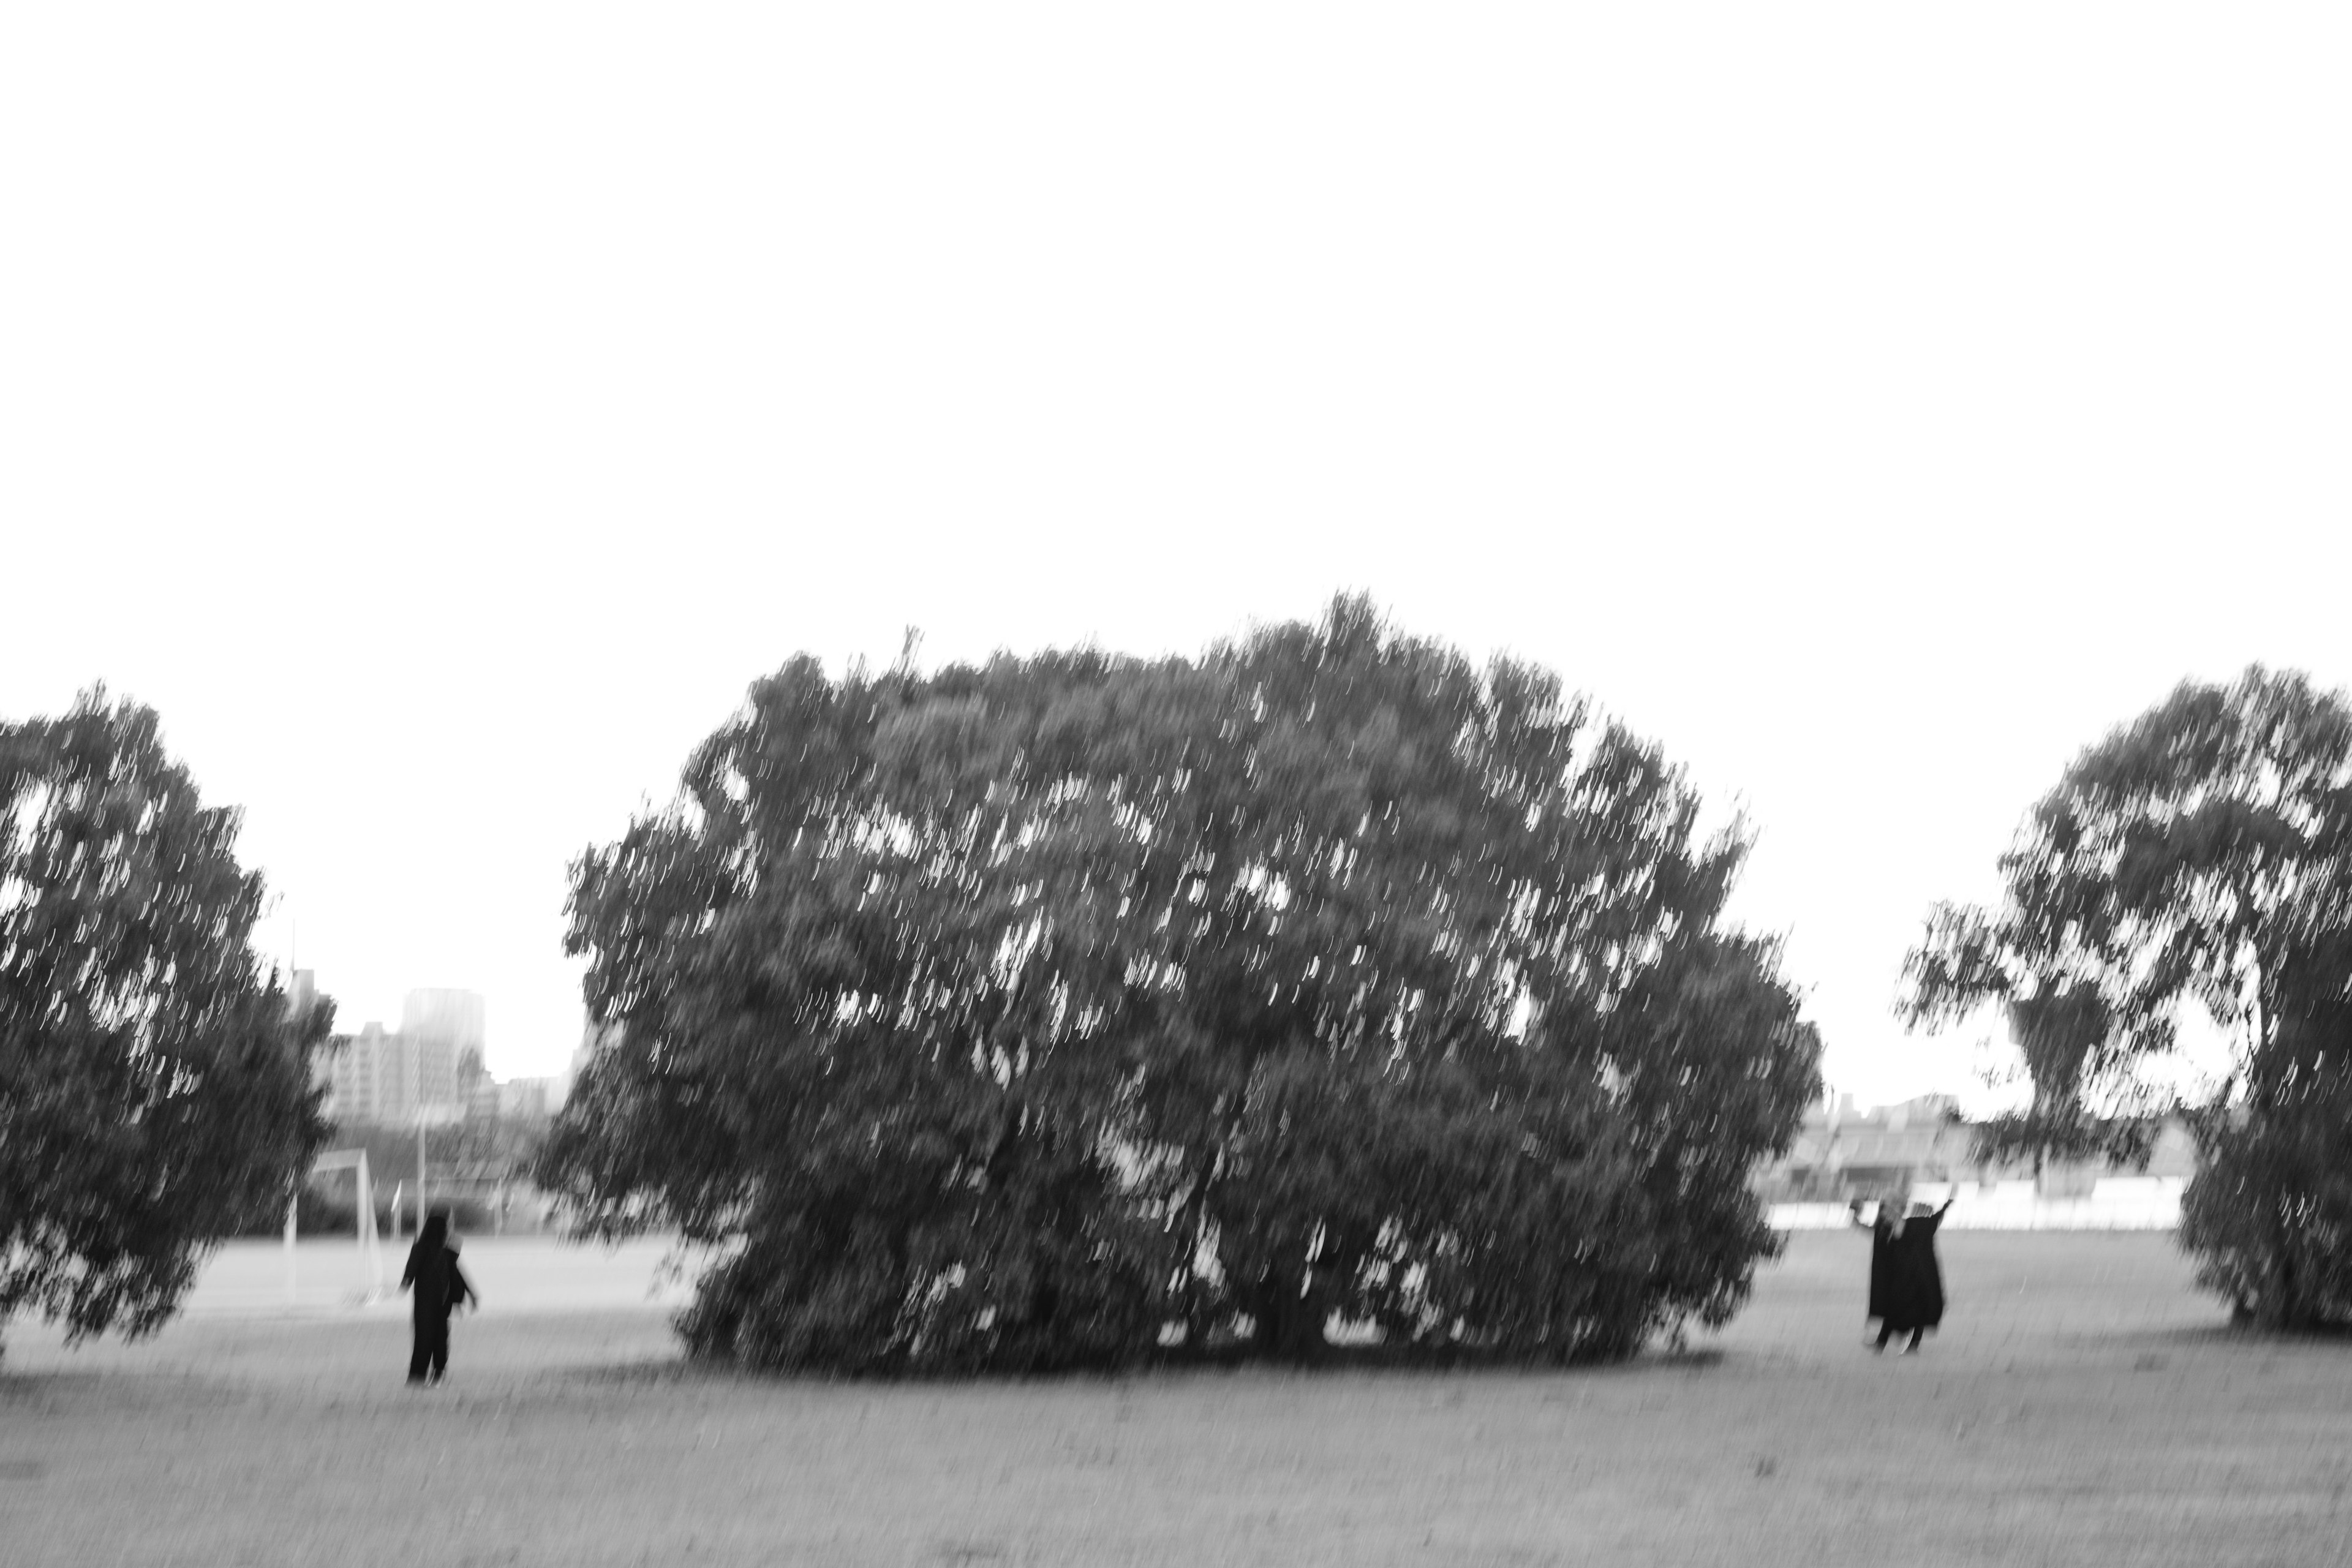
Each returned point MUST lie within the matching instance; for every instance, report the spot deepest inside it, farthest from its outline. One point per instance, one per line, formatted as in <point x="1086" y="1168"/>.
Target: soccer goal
<point x="369" y="1279"/>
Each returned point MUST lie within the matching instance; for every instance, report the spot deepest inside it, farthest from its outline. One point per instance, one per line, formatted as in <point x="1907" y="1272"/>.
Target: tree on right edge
<point x="2202" y="853"/>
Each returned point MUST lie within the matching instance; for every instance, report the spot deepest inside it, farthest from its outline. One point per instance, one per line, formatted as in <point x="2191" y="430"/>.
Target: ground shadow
<point x="2186" y="1336"/>
<point x="1341" y="1362"/>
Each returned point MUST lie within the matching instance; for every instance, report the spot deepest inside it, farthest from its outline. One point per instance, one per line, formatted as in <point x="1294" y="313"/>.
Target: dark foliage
<point x="1042" y="1014"/>
<point x="2202" y="853"/>
<point x="153" y="1088"/>
<point x="2269" y="1217"/>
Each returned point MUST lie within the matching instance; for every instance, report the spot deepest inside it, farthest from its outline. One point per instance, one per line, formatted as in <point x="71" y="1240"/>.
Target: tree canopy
<point x="2201" y="854"/>
<point x="1049" y="1012"/>
<point x="153" y="1088"/>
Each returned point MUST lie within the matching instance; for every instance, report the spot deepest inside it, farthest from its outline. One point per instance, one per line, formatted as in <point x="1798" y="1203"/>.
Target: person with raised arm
<point x="1906" y="1282"/>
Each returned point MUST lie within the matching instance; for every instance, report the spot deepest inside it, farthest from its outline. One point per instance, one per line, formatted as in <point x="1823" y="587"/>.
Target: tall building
<point x="455" y="1017"/>
<point x="389" y="1080"/>
<point x="530" y="1098"/>
<point x="301" y="992"/>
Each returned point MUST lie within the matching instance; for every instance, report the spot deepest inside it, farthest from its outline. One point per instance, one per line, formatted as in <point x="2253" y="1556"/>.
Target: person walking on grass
<point x="440" y="1288"/>
<point x="1907" y="1284"/>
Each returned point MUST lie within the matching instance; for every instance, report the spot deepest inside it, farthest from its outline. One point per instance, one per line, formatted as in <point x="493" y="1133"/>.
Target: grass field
<point x="2083" y="1406"/>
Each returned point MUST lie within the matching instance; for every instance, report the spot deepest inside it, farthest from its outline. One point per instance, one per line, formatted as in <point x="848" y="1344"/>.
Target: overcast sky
<point x="442" y="414"/>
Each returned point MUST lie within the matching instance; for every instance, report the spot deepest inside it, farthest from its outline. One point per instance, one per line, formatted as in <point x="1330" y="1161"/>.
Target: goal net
<point x="362" y="1276"/>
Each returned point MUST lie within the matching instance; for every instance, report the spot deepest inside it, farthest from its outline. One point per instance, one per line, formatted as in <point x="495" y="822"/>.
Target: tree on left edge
<point x="155" y="1084"/>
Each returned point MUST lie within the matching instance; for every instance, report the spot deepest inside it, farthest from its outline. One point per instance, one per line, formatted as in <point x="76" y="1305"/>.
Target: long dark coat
<point x="1907" y="1284"/>
<point x="433" y="1274"/>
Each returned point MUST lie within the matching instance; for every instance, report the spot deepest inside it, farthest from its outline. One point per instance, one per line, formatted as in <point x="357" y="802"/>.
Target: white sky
<point x="441" y="414"/>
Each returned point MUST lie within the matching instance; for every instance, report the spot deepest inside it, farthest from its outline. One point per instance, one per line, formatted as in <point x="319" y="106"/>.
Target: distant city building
<point x="477" y="1091"/>
<point x="454" y="1017"/>
<point x="433" y="1066"/>
<point x="302" y="993"/>
<point x="389" y="1080"/>
<point x="530" y="1098"/>
<point x="1841" y="1153"/>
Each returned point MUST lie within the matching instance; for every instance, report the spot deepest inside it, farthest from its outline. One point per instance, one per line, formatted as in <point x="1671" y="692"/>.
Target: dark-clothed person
<point x="440" y="1288"/>
<point x="1906" y="1283"/>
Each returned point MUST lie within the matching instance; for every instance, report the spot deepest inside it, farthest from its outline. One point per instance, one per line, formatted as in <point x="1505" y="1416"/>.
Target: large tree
<point x="1043" y="1013"/>
<point x="2201" y="854"/>
<point x="154" y="1088"/>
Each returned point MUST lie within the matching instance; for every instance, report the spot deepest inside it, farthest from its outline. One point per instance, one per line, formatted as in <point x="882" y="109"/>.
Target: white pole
<point x="371" y="1251"/>
<point x="417" y="1062"/>
<point x="290" y="1250"/>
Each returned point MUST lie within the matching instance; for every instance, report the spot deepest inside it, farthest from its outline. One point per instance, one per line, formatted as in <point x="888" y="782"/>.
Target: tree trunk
<point x="1289" y="1324"/>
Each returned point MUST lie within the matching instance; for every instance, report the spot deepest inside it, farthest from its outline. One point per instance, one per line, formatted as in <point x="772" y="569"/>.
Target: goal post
<point x="371" y="1249"/>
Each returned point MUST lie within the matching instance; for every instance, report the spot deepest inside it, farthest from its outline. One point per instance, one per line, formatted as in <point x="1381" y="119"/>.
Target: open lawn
<point x="2083" y="1405"/>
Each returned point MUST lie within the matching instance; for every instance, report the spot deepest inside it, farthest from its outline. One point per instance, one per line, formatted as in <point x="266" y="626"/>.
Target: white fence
<point x="2115" y="1203"/>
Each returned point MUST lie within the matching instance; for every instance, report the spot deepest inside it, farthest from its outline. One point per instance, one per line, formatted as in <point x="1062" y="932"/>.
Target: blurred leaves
<point x="2202" y="853"/>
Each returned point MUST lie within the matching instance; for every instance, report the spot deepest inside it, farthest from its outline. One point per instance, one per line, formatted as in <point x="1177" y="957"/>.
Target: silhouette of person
<point x="439" y="1288"/>
<point x="1906" y="1283"/>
